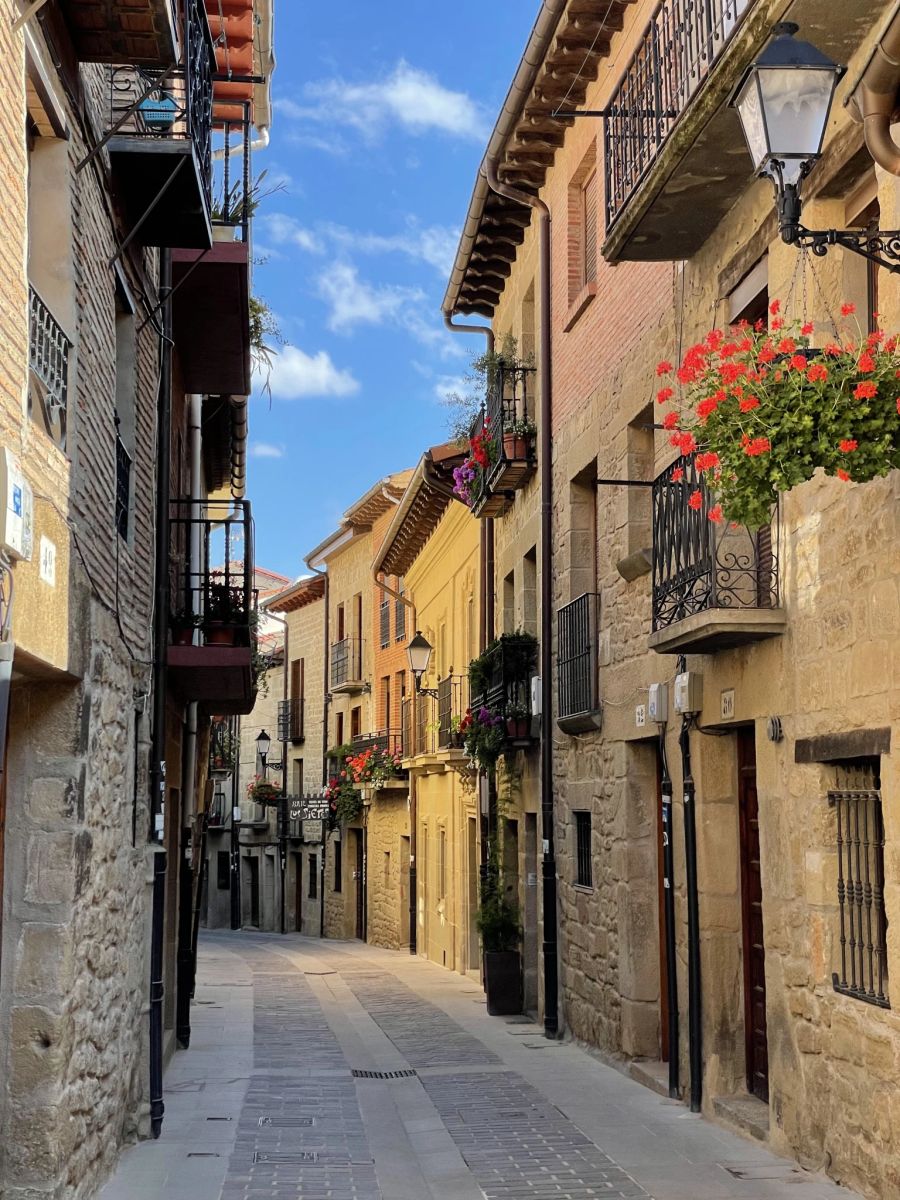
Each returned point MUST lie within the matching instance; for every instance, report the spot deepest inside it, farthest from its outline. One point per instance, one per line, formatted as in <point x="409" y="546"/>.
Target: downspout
<point x="665" y="787"/>
<point x="874" y="100"/>
<point x="158" y="742"/>
<point x="325" y="702"/>
<point x="551" y="970"/>
<point x="239" y="433"/>
<point x="190" y="826"/>
<point x="695" y="1028"/>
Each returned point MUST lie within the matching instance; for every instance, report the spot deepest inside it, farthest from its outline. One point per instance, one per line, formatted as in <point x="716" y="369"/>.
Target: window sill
<point x="588" y="889"/>
<point x="579" y="304"/>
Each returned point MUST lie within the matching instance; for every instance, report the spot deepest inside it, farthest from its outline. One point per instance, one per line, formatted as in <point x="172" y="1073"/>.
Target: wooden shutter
<point x="589" y="227"/>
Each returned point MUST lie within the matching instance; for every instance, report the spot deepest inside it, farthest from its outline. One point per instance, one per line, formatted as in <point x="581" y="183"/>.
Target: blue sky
<point x="382" y="113"/>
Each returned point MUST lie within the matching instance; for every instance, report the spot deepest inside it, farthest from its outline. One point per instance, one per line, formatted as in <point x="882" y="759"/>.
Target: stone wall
<point x="832" y="1059"/>
<point x="387" y="826"/>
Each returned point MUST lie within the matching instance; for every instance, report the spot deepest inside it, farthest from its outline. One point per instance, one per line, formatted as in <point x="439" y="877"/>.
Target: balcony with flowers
<point x="501" y="455"/>
<point x="759" y="411"/>
<point x="500" y="716"/>
<point x="357" y="772"/>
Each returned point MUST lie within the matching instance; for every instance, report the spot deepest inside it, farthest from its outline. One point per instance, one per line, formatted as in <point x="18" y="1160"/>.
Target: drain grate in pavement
<point x="383" y="1074"/>
<point x="767" y="1171"/>
<point x="293" y="1156"/>
<point x="287" y="1122"/>
<point x="203" y="1154"/>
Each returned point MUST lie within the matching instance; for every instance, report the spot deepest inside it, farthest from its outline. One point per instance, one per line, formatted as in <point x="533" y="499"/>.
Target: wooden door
<point x="253" y="864"/>
<point x="756" y="1038"/>
<point x="661" y="919"/>
<point x="298" y="890"/>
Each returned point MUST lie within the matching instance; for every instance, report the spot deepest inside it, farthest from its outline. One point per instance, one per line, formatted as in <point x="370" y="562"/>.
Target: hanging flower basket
<point x="763" y="410"/>
<point x="373" y="767"/>
<point x="484" y="736"/>
<point x="344" y="801"/>
<point x="260" y="791"/>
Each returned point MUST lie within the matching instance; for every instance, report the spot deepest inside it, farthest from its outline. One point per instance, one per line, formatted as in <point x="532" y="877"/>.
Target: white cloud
<point x="284" y="230"/>
<point x="433" y="244"/>
<point x="266" y="450"/>
<point x="354" y="302"/>
<point x="451" y="385"/>
<point x="297" y="375"/>
<point x="408" y="97"/>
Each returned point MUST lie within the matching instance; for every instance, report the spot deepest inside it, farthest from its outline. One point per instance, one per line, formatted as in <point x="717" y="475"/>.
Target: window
<point x="749" y="301"/>
<point x="313" y="876"/>
<point x="298" y="777"/>
<point x="583" y="872"/>
<point x="339" y="729"/>
<point x="509" y="602"/>
<point x="589" y="227"/>
<point x="355" y="722"/>
<point x="578" y="682"/>
<point x="223" y="870"/>
<point x="582" y="214"/>
<point x="126" y="384"/>
<point x="339" y="624"/>
<point x="338" y="865"/>
<point x="859" y="831"/>
<point x="529" y="592"/>
<point x="399" y="615"/>
<point x="385" y="621"/>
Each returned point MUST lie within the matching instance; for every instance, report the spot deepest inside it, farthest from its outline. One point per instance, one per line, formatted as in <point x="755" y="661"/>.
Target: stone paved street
<point x="335" y="1071"/>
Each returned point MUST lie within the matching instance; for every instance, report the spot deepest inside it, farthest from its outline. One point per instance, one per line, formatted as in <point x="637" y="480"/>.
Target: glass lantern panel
<point x="796" y="103"/>
<point x="750" y="113"/>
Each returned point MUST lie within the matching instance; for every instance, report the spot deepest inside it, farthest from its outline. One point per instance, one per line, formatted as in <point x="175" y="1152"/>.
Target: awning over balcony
<point x="122" y="31"/>
<point x="211" y="318"/>
<point x="218" y="677"/>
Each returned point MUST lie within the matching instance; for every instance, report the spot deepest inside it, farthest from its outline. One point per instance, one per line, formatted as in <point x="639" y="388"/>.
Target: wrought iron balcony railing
<point x="390" y="740"/>
<point x="48" y="360"/>
<point x="212" y="600"/>
<point x="172" y="105"/>
<point x="676" y="54"/>
<point x="290" y="720"/>
<point x="346" y="662"/>
<point x="578" y="679"/>
<point x="234" y="194"/>
<point x="698" y="564"/>
<point x="508" y="417"/>
<point x="452" y="702"/>
<point x="502" y="675"/>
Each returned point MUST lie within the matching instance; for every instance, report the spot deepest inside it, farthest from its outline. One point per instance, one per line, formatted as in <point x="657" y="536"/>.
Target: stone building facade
<point x="787" y="723"/>
<point x="83" y="834"/>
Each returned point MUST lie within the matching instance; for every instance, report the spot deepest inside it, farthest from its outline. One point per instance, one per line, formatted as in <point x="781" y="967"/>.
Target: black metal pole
<point x="235" y="833"/>
<point x="158" y="733"/>
<point x="669" y="913"/>
<point x="693" y="909"/>
<point x="413" y="878"/>
<point x="183" y="962"/>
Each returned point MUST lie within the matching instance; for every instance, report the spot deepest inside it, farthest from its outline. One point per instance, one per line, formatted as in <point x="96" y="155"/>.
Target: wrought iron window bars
<point x="48" y="359"/>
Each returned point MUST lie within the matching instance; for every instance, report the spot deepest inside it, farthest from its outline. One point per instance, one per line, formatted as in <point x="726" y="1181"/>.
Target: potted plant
<point x="222" y="610"/>
<point x="183" y="625"/>
<point x="345" y="802"/>
<point x="235" y="206"/>
<point x="484" y="735"/>
<point x="517" y="439"/>
<point x="498" y="925"/>
<point x="456" y="738"/>
<point x="518" y="721"/>
<point x="261" y="791"/>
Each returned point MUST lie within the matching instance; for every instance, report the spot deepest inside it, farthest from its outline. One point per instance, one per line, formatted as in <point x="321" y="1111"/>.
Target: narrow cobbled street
<point x="335" y="1071"/>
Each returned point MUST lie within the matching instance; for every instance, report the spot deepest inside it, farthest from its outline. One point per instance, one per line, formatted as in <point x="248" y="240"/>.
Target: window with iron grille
<point x="859" y="831"/>
<point x="577" y="659"/>
<point x="583" y="872"/>
<point x="399" y="615"/>
<point x="385" y="618"/>
<point x="123" y="488"/>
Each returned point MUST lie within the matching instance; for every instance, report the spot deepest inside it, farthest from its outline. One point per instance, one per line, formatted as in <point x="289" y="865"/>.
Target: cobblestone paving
<point x="518" y="1145"/>
<point x="300" y="1132"/>
<point x="424" y="1035"/>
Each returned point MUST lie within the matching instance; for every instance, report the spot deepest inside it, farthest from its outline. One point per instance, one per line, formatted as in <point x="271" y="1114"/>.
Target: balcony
<point x="159" y="141"/>
<point x="509" y="416"/>
<point x="211" y="300"/>
<point x="388" y="740"/>
<point x="578" y="681"/>
<point x="212" y="605"/>
<point x="347" y="666"/>
<point x="222" y="748"/>
<point x="675" y="160"/>
<point x="48" y="375"/>
<point x="714" y="587"/>
<point x="122" y="31"/>
<point x="500" y="680"/>
<point x="290" y="720"/>
<point x="430" y="724"/>
<point x="217" y="813"/>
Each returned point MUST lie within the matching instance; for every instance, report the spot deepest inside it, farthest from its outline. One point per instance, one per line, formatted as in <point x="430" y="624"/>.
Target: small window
<point x="442" y="863"/>
<point x="338" y="865"/>
<point x="355" y="722"/>
<point x="584" y="874"/>
<point x="859" y="828"/>
<point x="313" y="876"/>
<point x="385" y="621"/>
<point x="399" y="615"/>
<point x="749" y="301"/>
<point x="223" y="870"/>
<point x="589" y="227"/>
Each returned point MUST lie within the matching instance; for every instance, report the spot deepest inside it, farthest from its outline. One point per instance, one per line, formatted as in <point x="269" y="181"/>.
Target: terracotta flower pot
<point x="515" y="446"/>
<point x="219" y="635"/>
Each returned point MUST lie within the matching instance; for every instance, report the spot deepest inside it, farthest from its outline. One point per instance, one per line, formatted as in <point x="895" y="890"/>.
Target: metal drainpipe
<point x="695" y="1029"/>
<point x="874" y="100"/>
<point x="158" y="746"/>
<point x="325" y="702"/>
<point x="669" y="914"/>
<point x="189" y="764"/>
<point x="551" y="969"/>
<point x="282" y="806"/>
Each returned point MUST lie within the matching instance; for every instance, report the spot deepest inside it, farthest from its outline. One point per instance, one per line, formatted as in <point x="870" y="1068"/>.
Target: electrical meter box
<point x="688" y="692"/>
<point x="658" y="703"/>
<point x="16" y="508"/>
<point x="535" y="695"/>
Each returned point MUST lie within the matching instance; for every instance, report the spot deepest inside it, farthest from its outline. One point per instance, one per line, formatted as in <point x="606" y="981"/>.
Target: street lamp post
<point x="783" y="101"/>
<point x="263" y="745"/>
<point x="418" y="652"/>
